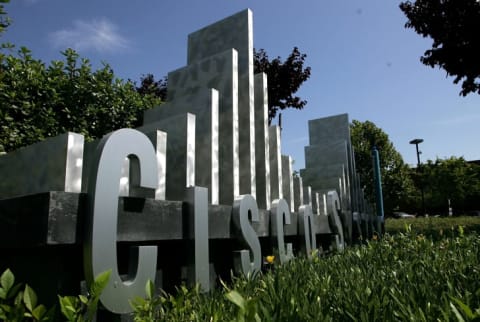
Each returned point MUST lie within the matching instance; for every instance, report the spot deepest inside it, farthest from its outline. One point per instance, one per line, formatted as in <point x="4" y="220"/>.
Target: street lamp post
<point x="417" y="142"/>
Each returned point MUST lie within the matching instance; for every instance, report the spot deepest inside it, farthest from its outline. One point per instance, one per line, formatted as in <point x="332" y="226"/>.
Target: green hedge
<point x="399" y="278"/>
<point x="434" y="227"/>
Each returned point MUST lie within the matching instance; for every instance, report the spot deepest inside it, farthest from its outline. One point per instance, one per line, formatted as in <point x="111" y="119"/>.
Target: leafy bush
<point x="44" y="101"/>
<point x="401" y="277"/>
<point x="434" y="227"/>
<point x="83" y="308"/>
<point x="18" y="305"/>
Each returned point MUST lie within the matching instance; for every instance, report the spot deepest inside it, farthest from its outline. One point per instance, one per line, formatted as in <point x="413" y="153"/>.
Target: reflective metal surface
<point x="54" y="164"/>
<point x="234" y="32"/>
<point x="316" y="204"/>
<point x="74" y="162"/>
<point x="333" y="207"/>
<point x="244" y="207"/>
<point x="203" y="103"/>
<point x="276" y="185"/>
<point x="297" y="191"/>
<point x="280" y="215"/>
<point x="262" y="154"/>
<point x="100" y="249"/>
<point x="179" y="153"/>
<point x="188" y="85"/>
<point x="287" y="181"/>
<point x="306" y="228"/>
<point x="197" y="199"/>
<point x="307" y="196"/>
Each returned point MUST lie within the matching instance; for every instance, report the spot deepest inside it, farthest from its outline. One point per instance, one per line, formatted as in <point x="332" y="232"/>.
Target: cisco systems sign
<point x="100" y="243"/>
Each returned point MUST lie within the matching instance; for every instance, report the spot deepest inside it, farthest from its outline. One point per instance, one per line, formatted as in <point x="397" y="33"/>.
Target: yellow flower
<point x="270" y="259"/>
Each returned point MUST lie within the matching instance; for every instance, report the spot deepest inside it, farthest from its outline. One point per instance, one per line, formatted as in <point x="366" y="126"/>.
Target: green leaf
<point x="457" y="314"/>
<point x="14" y="291"/>
<point x="7" y="279"/>
<point x="39" y="312"/>
<point x="368" y="291"/>
<point x="236" y="298"/>
<point x="29" y="298"/>
<point x="138" y="302"/>
<point x="100" y="283"/>
<point x="67" y="307"/>
<point x="3" y="294"/>
<point x="149" y="289"/>
<point x="468" y="312"/>
<point x="83" y="299"/>
<point x="18" y="299"/>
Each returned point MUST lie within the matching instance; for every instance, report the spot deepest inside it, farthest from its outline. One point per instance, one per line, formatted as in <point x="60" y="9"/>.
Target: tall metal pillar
<point x="378" y="189"/>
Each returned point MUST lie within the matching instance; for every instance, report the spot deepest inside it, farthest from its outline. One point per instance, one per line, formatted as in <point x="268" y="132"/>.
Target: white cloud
<point x="98" y="35"/>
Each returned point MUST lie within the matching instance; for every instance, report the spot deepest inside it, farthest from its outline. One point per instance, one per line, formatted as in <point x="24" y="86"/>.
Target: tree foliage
<point x="454" y="26"/>
<point x="398" y="188"/>
<point x="39" y="101"/>
<point x="149" y="86"/>
<point x="454" y="179"/>
<point x="4" y="19"/>
<point x="284" y="79"/>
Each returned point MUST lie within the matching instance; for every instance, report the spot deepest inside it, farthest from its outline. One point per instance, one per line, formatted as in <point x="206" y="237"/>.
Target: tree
<point x="37" y="101"/>
<point x="397" y="185"/>
<point x="149" y="86"/>
<point x="451" y="179"/>
<point x="4" y="19"/>
<point x="454" y="27"/>
<point x="284" y="79"/>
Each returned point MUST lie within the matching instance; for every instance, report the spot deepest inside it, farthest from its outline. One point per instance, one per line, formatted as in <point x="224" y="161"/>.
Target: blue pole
<point x="378" y="188"/>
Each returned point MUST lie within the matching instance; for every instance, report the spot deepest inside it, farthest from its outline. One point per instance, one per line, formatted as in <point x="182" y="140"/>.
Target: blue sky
<point x="364" y="62"/>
